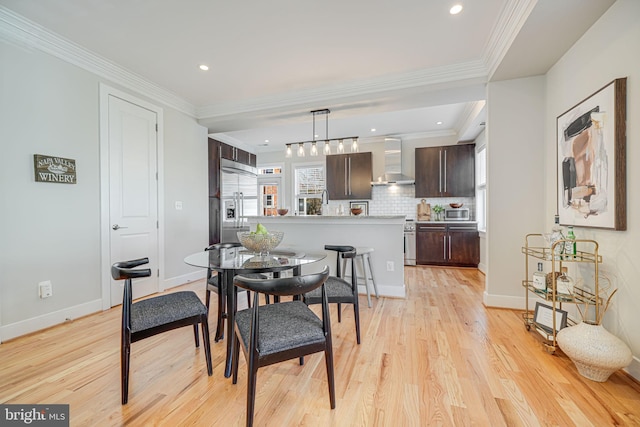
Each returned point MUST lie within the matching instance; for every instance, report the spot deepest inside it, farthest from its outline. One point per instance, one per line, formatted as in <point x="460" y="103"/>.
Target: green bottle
<point x="570" y="245"/>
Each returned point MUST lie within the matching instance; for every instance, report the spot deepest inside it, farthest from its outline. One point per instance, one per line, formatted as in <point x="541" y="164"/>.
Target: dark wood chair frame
<point x="124" y="270"/>
<point x="287" y="286"/>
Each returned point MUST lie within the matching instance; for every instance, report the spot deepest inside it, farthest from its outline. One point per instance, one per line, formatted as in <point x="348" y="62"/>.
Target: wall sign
<point x="54" y="169"/>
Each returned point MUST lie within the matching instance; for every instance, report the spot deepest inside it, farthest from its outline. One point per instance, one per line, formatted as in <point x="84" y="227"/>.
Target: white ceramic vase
<point x="596" y="352"/>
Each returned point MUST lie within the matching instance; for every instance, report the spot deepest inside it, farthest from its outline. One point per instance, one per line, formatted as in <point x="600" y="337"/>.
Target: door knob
<point x="117" y="227"/>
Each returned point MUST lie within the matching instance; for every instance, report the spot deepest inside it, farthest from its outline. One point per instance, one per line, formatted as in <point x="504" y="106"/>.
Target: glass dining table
<point x="229" y="262"/>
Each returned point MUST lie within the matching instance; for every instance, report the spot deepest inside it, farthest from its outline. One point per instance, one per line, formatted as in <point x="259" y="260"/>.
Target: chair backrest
<point x="124" y="271"/>
<point x="223" y="246"/>
<point x="343" y="251"/>
<point x="217" y="247"/>
<point x="283" y="286"/>
<point x="286" y="286"/>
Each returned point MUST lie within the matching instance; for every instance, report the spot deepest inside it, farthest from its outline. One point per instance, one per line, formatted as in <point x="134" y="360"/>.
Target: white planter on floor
<point x="596" y="352"/>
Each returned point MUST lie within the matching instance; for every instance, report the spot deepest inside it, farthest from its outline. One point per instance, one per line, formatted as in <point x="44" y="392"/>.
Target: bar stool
<point x="363" y="254"/>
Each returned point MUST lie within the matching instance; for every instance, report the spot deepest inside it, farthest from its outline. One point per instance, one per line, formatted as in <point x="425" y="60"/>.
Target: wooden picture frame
<point x="543" y="318"/>
<point x="591" y="160"/>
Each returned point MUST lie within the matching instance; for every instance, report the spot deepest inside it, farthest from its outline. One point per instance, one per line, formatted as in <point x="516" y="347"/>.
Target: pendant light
<point x="326" y="149"/>
<point x="354" y="145"/>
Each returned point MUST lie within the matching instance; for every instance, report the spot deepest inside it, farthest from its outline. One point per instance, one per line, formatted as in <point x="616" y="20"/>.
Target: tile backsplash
<point x="401" y="200"/>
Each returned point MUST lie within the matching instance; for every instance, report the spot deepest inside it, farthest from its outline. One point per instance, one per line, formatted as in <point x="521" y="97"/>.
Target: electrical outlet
<point x="46" y="289"/>
<point x="390" y="266"/>
<point x="178" y="206"/>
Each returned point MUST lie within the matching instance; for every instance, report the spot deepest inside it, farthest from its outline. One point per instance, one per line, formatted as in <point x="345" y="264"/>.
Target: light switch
<point x="178" y="206"/>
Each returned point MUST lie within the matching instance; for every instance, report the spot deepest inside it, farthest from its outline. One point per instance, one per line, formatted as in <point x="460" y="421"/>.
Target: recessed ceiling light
<point x="373" y="129"/>
<point x="266" y="140"/>
<point x="438" y="123"/>
<point x="456" y="9"/>
<point x="204" y="67"/>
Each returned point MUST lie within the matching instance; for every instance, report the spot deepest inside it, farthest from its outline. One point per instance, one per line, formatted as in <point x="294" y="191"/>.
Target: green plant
<point x="438" y="208"/>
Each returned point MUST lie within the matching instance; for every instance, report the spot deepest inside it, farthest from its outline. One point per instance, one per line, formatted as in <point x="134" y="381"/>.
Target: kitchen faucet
<point x="322" y="201"/>
<point x="322" y="197"/>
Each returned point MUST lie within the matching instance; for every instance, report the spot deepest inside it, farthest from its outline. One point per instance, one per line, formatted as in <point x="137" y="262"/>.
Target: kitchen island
<point x="383" y="233"/>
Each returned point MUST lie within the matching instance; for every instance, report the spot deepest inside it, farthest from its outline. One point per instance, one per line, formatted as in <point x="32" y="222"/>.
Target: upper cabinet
<point x="230" y="152"/>
<point x="445" y="171"/>
<point x="349" y="176"/>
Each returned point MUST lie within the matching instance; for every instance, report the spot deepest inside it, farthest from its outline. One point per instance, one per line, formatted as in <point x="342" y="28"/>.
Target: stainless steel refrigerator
<point x="238" y="197"/>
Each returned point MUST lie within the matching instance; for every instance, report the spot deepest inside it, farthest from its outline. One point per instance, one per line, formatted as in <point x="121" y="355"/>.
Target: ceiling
<point x="399" y="67"/>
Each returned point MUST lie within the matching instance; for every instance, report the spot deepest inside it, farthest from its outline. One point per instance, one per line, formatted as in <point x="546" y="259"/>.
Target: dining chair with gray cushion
<point x="152" y="316"/>
<point x="339" y="290"/>
<point x="281" y="331"/>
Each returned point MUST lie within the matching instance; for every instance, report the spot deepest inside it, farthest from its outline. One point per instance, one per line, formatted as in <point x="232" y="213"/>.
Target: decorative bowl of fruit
<point x="260" y="241"/>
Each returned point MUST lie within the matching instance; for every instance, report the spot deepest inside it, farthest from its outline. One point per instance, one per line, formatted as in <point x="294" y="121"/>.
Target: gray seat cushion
<point x="165" y="309"/>
<point x="282" y="326"/>
<point x="336" y="288"/>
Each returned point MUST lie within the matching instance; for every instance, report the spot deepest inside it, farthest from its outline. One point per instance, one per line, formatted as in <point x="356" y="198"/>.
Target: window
<point x="481" y="188"/>
<point x="308" y="187"/>
<point x="269" y="185"/>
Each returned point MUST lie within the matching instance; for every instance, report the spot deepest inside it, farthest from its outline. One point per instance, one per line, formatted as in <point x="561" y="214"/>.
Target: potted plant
<point x="438" y="209"/>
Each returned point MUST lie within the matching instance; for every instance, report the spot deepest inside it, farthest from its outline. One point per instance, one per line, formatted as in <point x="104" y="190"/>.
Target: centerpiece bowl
<point x="356" y="211"/>
<point x="260" y="243"/>
<point x="456" y="205"/>
<point x="282" y="211"/>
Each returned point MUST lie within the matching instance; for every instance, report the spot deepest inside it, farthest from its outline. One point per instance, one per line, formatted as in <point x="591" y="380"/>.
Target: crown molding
<point x="19" y="30"/>
<point x="512" y="17"/>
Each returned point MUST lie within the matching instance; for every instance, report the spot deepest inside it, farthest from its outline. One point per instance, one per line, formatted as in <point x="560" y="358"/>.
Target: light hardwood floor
<point x="438" y="357"/>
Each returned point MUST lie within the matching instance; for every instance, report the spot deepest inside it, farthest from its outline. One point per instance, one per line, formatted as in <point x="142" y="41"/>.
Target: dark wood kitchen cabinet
<point x="349" y="176"/>
<point x="447" y="171"/>
<point x="230" y="152"/>
<point x="214" y="168"/>
<point x="447" y="244"/>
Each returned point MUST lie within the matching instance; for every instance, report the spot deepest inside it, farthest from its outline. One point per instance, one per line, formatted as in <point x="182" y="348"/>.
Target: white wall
<point x="609" y="50"/>
<point x="52" y="231"/>
<point x="515" y="177"/>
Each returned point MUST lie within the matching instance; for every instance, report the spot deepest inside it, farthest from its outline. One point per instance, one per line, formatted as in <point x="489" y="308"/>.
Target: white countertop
<point x="319" y="219"/>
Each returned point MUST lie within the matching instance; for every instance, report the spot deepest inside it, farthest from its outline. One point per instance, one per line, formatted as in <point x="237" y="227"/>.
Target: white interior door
<point x="133" y="191"/>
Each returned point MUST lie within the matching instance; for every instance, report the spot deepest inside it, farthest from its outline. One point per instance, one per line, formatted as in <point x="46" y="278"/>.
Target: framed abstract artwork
<point x="591" y="160"/>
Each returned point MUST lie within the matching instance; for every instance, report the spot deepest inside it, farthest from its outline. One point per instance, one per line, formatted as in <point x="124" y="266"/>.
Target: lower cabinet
<point x="447" y="244"/>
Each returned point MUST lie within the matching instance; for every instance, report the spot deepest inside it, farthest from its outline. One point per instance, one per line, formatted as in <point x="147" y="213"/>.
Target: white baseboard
<point x="483" y="268"/>
<point x="385" y="291"/>
<point x="183" y="279"/>
<point x="634" y="368"/>
<point x="44" y="321"/>
<point x="503" y="301"/>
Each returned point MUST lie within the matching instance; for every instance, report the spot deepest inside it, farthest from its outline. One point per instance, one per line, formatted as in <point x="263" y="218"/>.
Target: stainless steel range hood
<point x="393" y="165"/>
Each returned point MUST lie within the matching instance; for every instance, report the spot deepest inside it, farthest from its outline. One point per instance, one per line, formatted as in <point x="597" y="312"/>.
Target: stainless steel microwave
<point x="459" y="214"/>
